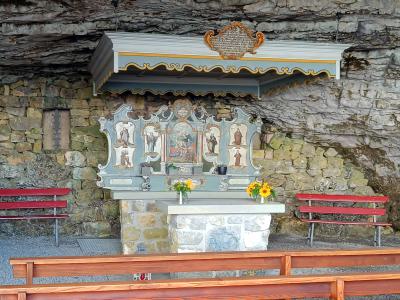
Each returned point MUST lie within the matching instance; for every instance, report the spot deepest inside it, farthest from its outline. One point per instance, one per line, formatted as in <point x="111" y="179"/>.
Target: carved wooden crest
<point x="234" y="40"/>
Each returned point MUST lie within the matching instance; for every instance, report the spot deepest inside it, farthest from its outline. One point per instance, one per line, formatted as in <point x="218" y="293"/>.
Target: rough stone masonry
<point x="45" y="47"/>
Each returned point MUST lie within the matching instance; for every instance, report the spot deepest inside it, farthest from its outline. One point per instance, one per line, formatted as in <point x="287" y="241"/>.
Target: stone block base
<point x="216" y="233"/>
<point x="143" y="227"/>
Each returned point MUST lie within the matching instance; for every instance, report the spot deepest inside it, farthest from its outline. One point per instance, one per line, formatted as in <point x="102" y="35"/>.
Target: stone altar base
<point x="216" y="225"/>
<point x="220" y="232"/>
<point x="206" y="223"/>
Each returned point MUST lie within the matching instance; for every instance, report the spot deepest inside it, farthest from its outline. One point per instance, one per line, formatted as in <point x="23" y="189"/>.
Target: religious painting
<point x="237" y="134"/>
<point x="237" y="157"/>
<point x="211" y="140"/>
<point x="124" y="157"/>
<point x="182" y="143"/>
<point x="125" y="134"/>
<point x="152" y="140"/>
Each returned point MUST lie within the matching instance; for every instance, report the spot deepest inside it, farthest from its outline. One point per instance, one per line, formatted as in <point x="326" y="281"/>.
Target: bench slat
<point x="347" y="222"/>
<point x="343" y="210"/>
<point x="342" y="198"/>
<point x="34" y="192"/>
<point x="30" y="217"/>
<point x="294" y="286"/>
<point x="33" y="204"/>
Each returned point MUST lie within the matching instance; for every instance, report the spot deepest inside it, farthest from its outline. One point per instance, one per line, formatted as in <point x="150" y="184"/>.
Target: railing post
<point x="337" y="290"/>
<point x="286" y="265"/>
<point x="21" y="296"/>
<point x="29" y="272"/>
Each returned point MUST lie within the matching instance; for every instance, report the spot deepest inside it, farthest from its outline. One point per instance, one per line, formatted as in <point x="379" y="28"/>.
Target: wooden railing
<point x="285" y="261"/>
<point x="278" y="287"/>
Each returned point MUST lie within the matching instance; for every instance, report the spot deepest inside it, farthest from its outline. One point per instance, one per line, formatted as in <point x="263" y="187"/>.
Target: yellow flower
<point x="249" y="190"/>
<point x="255" y="184"/>
<point x="190" y="184"/>
<point x="266" y="186"/>
<point x="265" y="192"/>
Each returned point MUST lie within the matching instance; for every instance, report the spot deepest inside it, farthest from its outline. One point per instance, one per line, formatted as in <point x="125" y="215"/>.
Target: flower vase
<point x="180" y="198"/>
<point x="262" y="200"/>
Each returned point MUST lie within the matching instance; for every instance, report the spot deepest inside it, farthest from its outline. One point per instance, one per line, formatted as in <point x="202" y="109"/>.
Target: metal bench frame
<point x="374" y="212"/>
<point x="36" y="204"/>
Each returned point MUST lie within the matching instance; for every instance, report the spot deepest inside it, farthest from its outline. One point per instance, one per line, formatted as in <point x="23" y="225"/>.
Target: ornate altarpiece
<point x="179" y="141"/>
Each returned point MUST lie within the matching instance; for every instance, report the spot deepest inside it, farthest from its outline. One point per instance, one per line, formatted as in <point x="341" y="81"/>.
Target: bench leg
<point x="56" y="231"/>
<point x="309" y="233"/>
<point x="379" y="236"/>
<point x="375" y="236"/>
<point x="312" y="235"/>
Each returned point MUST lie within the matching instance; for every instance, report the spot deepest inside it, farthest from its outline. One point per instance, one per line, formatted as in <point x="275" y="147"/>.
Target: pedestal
<point x="154" y="222"/>
<point x="216" y="225"/>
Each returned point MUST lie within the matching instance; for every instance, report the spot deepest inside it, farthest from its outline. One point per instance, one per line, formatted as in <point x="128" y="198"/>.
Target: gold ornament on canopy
<point x="234" y="40"/>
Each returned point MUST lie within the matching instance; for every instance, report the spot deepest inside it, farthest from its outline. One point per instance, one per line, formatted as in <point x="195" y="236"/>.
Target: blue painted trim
<point x="226" y="66"/>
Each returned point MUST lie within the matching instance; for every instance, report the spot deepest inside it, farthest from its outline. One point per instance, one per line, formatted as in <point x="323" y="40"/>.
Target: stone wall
<point x="24" y="163"/>
<point x="291" y="163"/>
<point x="358" y="115"/>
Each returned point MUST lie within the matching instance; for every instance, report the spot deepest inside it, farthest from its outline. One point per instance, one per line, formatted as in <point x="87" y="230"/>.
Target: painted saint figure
<point x="151" y="141"/>
<point x="124" y="137"/>
<point x="125" y="159"/>
<point x="237" y="157"/>
<point x="211" y="143"/>
<point x="237" y="138"/>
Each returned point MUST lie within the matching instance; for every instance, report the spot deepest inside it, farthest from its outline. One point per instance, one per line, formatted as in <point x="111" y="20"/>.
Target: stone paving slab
<point x="99" y="246"/>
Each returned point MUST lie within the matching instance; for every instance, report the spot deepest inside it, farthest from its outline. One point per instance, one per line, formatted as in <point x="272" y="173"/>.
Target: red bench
<point x="315" y="207"/>
<point x="35" y="204"/>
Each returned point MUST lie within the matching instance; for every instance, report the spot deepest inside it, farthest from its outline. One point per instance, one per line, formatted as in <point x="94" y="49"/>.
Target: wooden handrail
<point x="285" y="261"/>
<point x="335" y="286"/>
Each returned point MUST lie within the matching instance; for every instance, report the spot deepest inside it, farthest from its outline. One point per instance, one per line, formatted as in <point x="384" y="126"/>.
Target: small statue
<point x="125" y="159"/>
<point x="151" y="141"/>
<point x="211" y="143"/>
<point x="124" y="137"/>
<point x="237" y="157"/>
<point x="237" y="138"/>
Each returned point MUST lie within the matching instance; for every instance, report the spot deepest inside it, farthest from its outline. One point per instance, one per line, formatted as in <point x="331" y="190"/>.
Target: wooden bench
<point x="35" y="204"/>
<point x="336" y="287"/>
<point x="285" y="261"/>
<point x="315" y="210"/>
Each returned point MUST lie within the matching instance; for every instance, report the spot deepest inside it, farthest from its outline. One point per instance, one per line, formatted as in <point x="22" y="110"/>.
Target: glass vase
<point x="180" y="198"/>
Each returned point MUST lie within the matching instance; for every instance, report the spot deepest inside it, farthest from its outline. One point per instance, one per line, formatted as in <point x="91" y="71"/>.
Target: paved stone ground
<point x="71" y="246"/>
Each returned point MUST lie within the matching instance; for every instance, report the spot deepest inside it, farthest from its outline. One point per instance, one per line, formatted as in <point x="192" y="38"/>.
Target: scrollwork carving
<point x="234" y="40"/>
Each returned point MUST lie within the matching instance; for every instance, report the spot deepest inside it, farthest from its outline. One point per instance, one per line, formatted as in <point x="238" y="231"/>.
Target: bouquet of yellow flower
<point x="260" y="189"/>
<point x="183" y="187"/>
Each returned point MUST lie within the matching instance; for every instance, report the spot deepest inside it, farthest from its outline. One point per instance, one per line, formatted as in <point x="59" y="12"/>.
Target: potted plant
<point x="260" y="190"/>
<point x="183" y="187"/>
<point x="221" y="169"/>
<point x="145" y="169"/>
